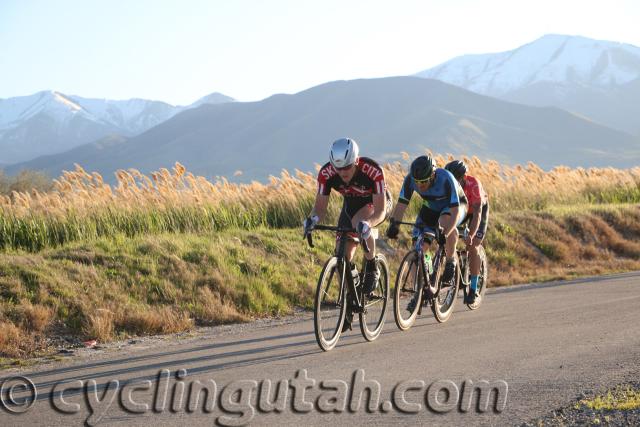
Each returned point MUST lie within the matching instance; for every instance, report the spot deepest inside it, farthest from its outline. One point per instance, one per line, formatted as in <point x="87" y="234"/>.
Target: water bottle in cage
<point x="428" y="262"/>
<point x="355" y="275"/>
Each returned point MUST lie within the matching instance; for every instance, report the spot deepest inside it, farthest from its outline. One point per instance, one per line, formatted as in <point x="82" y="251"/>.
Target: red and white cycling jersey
<point x="368" y="180"/>
<point x="474" y="191"/>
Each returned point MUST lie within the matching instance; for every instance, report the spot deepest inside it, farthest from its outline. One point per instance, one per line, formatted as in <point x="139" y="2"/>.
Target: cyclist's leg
<point x="427" y="220"/>
<point x="446" y="220"/>
<point x="363" y="213"/>
<point x="474" y="255"/>
<point x="372" y="273"/>
<point x="344" y="221"/>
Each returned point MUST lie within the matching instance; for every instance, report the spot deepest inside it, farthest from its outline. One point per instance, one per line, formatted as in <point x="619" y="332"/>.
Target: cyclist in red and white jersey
<point x="367" y="202"/>
<point x="477" y="217"/>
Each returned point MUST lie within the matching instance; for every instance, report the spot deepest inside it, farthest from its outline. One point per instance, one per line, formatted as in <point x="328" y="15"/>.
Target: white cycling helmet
<point x="344" y="152"/>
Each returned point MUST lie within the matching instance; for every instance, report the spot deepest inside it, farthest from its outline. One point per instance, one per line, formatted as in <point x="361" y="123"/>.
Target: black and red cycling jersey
<point x="367" y="181"/>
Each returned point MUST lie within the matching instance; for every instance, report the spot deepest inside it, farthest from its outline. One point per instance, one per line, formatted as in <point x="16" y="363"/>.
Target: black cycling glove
<point x="393" y="230"/>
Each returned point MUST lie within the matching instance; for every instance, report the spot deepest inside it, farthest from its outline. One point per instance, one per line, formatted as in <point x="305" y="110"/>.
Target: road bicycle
<point x="419" y="282"/>
<point x="340" y="293"/>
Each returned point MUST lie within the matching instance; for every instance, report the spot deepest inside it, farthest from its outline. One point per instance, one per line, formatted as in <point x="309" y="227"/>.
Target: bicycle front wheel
<point x="330" y="304"/>
<point x="445" y="299"/>
<point x="373" y="316"/>
<point x="408" y="292"/>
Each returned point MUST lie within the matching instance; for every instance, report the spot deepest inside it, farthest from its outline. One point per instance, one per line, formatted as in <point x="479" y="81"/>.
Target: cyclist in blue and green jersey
<point x="445" y="204"/>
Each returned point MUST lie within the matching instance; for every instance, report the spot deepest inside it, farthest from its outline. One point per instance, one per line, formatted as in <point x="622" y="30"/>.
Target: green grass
<point x="621" y="398"/>
<point x="133" y="284"/>
<point x="125" y="286"/>
<point x="37" y="231"/>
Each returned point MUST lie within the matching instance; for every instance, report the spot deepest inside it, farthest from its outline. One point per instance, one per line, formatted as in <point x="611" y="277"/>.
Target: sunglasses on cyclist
<point x="423" y="181"/>
<point x="346" y="168"/>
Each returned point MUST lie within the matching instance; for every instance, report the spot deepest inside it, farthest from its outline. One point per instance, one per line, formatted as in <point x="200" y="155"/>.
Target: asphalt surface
<point x="539" y="345"/>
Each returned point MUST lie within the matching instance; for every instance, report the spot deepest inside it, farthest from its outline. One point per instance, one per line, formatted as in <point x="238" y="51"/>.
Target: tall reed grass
<point x="82" y="206"/>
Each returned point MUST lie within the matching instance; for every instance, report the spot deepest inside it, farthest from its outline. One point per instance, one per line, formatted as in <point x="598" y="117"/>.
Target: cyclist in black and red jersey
<point x="477" y="218"/>
<point x="367" y="202"/>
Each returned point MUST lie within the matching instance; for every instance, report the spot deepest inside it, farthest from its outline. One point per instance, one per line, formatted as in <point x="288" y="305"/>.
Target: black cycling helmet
<point x="422" y="168"/>
<point x="458" y="168"/>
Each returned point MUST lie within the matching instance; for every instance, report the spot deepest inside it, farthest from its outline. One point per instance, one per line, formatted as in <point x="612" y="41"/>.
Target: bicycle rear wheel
<point x="408" y="288"/>
<point x="445" y="299"/>
<point x="372" y="319"/>
<point x="330" y="304"/>
<point x="482" y="279"/>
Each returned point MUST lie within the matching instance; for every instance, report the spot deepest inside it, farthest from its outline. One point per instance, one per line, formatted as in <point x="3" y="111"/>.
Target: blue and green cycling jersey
<point x="444" y="193"/>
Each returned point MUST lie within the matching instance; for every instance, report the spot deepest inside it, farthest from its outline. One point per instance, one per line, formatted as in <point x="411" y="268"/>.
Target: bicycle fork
<point x="353" y="298"/>
<point x="427" y="294"/>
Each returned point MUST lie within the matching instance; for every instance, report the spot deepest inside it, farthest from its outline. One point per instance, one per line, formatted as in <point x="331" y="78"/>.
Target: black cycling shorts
<point x="352" y="205"/>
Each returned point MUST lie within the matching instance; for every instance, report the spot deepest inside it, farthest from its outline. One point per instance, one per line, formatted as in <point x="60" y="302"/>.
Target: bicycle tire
<point x="445" y="299"/>
<point x="409" y="269"/>
<point x="373" y="317"/>
<point x="330" y="304"/>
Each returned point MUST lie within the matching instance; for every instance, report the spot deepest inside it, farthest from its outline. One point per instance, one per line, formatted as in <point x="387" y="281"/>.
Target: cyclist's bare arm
<point x="320" y="207"/>
<point x="475" y="222"/>
<point x="379" y="204"/>
<point x="398" y="211"/>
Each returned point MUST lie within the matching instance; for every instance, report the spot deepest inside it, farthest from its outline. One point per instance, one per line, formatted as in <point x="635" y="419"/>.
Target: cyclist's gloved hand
<point x="364" y="229"/>
<point x="310" y="223"/>
<point x="393" y="230"/>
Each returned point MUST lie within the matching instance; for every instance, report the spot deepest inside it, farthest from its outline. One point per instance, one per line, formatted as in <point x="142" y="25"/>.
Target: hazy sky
<point x="177" y="51"/>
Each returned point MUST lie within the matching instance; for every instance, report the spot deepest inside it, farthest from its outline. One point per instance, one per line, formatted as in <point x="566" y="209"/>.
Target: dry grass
<point x="36" y="318"/>
<point x="100" y="325"/>
<point x="16" y="342"/>
<point x="79" y="192"/>
<point x="83" y="207"/>
<point x="163" y="320"/>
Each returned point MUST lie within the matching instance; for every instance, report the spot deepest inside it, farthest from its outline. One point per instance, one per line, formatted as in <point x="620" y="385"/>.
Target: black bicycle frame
<point x="344" y="265"/>
<point x="426" y="279"/>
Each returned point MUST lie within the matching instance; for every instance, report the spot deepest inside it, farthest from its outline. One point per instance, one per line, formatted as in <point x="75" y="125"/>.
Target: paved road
<point x="547" y="342"/>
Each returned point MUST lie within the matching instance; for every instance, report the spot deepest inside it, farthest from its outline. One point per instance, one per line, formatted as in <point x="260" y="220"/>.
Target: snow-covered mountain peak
<point x="560" y="59"/>
<point x="14" y="111"/>
<point x="50" y="121"/>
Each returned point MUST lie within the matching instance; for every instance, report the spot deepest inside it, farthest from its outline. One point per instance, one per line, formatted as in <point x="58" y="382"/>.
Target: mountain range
<point x="560" y="100"/>
<point x="386" y="116"/>
<point x="595" y="78"/>
<point x="51" y="122"/>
